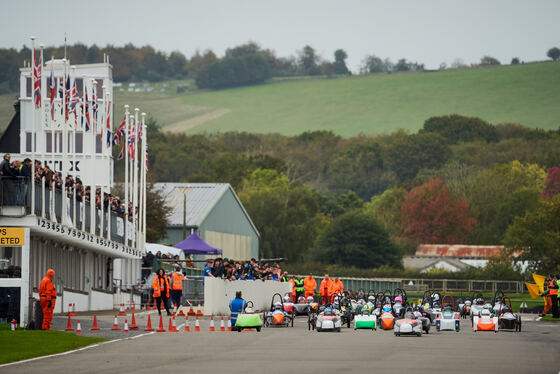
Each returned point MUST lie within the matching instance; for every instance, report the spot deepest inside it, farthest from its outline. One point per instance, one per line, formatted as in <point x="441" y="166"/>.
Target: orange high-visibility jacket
<point x="177" y="281"/>
<point x="325" y="287"/>
<point x="47" y="290"/>
<point x="309" y="284"/>
<point x="336" y="287"/>
<point x="158" y="285"/>
<point x="552" y="288"/>
<point x="293" y="286"/>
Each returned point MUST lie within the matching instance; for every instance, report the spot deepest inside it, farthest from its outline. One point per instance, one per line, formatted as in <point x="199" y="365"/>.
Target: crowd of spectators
<point x="242" y="270"/>
<point x="15" y="192"/>
<point x="11" y="271"/>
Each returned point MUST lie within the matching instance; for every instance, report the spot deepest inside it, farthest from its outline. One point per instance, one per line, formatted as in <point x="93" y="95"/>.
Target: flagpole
<point x="73" y="137"/>
<point x="42" y="141"/>
<point x="131" y="175"/>
<point x="145" y="169"/>
<point x="32" y="71"/>
<point x="135" y="181"/>
<point x="125" y="147"/>
<point x="102" y="189"/>
<point x="109" y="133"/>
<point x="83" y="120"/>
<point x="64" y="145"/>
<point x="93" y="190"/>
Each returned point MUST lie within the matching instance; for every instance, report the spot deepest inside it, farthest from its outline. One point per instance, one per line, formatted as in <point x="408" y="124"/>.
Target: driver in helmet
<point x="329" y="312"/>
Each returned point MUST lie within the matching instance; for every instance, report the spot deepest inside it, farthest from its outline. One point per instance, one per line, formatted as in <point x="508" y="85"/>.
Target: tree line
<point x="245" y="64"/>
<point x="366" y="200"/>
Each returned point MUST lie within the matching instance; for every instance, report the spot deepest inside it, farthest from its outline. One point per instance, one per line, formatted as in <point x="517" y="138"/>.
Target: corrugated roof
<point x="201" y="199"/>
<point x="458" y="250"/>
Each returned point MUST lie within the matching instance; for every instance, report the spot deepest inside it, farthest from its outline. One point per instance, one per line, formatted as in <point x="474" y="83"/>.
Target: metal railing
<point x="15" y="192"/>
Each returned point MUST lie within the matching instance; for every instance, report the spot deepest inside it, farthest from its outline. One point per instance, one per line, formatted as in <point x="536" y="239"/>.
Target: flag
<point x="131" y="138"/>
<point x="67" y="98"/>
<point x="61" y="93"/>
<point x="52" y="90"/>
<point x="108" y="124"/>
<point x="121" y="154"/>
<point x="94" y="108"/>
<point x="146" y="156"/>
<point x="38" y="66"/>
<point x="85" y="112"/>
<point x="74" y="102"/>
<point x="122" y="127"/>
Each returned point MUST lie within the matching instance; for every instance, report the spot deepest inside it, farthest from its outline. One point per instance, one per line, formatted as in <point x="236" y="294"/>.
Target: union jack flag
<point x="121" y="154"/>
<point x="85" y="112"/>
<point x="146" y="156"/>
<point x="61" y="93"/>
<point x="38" y="66"/>
<point x="75" y="99"/>
<point x="67" y="98"/>
<point x="108" y="124"/>
<point x="52" y="90"/>
<point x="131" y="138"/>
<point x="94" y="109"/>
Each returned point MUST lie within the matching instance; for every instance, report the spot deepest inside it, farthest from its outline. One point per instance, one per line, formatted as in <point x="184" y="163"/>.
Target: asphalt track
<point x="297" y="350"/>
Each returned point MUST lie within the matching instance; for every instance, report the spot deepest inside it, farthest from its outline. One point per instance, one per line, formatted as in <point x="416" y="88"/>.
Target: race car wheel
<point x="258" y="329"/>
<point x="318" y="329"/>
<point x="519" y="324"/>
<point x="427" y="331"/>
<point x="348" y="324"/>
<point x="338" y="329"/>
<point x="239" y="329"/>
<point x="397" y="334"/>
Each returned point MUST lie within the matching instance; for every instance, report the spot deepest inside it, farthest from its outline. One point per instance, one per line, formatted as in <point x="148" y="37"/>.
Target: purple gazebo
<point x="194" y="245"/>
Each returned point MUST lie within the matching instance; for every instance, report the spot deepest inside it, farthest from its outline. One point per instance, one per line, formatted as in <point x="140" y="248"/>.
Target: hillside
<point x="527" y="94"/>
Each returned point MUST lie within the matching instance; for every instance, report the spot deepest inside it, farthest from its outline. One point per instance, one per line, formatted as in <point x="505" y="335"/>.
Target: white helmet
<point x="249" y="309"/>
<point x="286" y="299"/>
<point x="309" y="299"/>
<point x="371" y="298"/>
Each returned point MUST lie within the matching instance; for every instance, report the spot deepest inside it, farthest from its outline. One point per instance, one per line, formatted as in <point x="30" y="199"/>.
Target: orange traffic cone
<point x="121" y="311"/>
<point x="160" y="329"/>
<point x="181" y="313"/>
<point x="149" y="326"/>
<point x="212" y="324"/>
<point x="69" y="326"/>
<point x="133" y="325"/>
<point x="125" y="325"/>
<point x="72" y="310"/>
<point x="79" y="328"/>
<point x="191" y="311"/>
<point x="170" y="327"/>
<point x="95" y="327"/>
<point x="229" y="323"/>
<point x="116" y="323"/>
<point x="187" y="327"/>
<point x="198" y="311"/>
<point x="196" y="325"/>
<point x="222" y="327"/>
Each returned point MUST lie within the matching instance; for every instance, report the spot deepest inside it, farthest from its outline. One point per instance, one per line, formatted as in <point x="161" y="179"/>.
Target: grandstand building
<point x="95" y="252"/>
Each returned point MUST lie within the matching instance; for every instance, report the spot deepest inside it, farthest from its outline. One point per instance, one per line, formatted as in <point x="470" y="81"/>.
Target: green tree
<point x="340" y="57"/>
<point x="356" y="239"/>
<point x="489" y="61"/>
<point x="374" y="64"/>
<point x="408" y="154"/>
<point x="308" y="61"/>
<point x="553" y="53"/>
<point x="537" y="236"/>
<point x="336" y="205"/>
<point x="287" y="216"/>
<point x="498" y="194"/>
<point x="456" y="128"/>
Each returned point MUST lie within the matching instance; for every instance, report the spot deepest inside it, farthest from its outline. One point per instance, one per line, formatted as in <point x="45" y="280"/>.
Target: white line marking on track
<point x="74" y="350"/>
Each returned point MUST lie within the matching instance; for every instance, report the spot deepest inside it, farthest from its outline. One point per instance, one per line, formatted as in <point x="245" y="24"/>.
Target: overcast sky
<point x="430" y="32"/>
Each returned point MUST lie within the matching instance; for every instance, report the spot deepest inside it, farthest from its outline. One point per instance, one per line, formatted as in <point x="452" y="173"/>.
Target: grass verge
<point x="549" y="319"/>
<point x="23" y="344"/>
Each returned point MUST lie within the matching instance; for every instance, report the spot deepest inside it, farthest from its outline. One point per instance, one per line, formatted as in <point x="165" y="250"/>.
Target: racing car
<point x="365" y="320"/>
<point x="328" y="320"/>
<point x="387" y="318"/>
<point x="248" y="319"/>
<point x="485" y="320"/>
<point x="507" y="320"/>
<point x="408" y="325"/>
<point x="301" y="307"/>
<point x="422" y="316"/>
<point x="448" y="319"/>
<point x="277" y="317"/>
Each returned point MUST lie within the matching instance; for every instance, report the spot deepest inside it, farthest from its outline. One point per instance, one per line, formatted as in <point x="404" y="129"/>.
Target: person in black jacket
<point x="7" y="180"/>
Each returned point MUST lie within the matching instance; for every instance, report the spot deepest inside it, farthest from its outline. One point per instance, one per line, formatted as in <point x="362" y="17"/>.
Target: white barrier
<point x="218" y="293"/>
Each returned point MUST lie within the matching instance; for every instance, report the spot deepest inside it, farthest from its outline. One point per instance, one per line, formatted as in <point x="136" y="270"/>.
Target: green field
<point x="526" y="94"/>
<point x="23" y="344"/>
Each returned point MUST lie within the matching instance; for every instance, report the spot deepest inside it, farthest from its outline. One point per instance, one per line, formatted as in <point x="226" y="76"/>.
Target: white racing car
<point x="409" y="325"/>
<point x="448" y="319"/>
<point x="328" y="320"/>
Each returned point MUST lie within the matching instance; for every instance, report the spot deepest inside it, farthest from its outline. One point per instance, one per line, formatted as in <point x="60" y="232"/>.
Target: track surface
<point x="297" y="350"/>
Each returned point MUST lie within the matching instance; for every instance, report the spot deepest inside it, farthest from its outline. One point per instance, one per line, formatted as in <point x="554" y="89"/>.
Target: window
<point x="79" y="142"/>
<point x="28" y="87"/>
<point x="58" y="142"/>
<point x="28" y="137"/>
<point x="48" y="139"/>
<point x="98" y="144"/>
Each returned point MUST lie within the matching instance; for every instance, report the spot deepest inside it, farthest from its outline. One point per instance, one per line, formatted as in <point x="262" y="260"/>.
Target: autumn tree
<point x="430" y="214"/>
<point x="552" y="183"/>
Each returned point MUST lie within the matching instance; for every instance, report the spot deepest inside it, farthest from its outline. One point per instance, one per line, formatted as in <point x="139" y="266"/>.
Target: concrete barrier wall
<point x="79" y="299"/>
<point x="101" y="300"/>
<point x="218" y="293"/>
